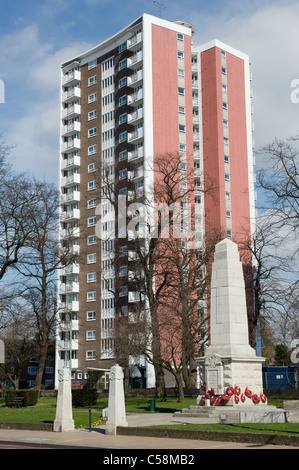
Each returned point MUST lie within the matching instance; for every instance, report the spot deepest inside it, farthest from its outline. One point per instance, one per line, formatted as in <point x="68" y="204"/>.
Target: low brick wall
<point x="252" y="438"/>
<point x="28" y="426"/>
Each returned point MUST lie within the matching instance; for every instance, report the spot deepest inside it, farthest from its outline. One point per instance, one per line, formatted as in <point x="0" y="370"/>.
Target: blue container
<point x="276" y="378"/>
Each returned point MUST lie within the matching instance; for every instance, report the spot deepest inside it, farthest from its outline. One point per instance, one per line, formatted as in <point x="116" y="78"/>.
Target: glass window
<point x="91" y="258"/>
<point x="91" y="315"/>
<point x="91" y="277"/>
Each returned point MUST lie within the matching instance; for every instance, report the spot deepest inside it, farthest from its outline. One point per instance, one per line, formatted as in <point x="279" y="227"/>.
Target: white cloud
<point x="31" y="121"/>
<point x="270" y="37"/>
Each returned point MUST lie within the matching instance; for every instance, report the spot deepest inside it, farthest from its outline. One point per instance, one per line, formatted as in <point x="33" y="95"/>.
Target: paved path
<point x="97" y="439"/>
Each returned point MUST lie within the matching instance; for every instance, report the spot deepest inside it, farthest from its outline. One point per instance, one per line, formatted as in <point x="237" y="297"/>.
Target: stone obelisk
<point x="64" y="413"/>
<point x="229" y="360"/>
<point x="116" y="400"/>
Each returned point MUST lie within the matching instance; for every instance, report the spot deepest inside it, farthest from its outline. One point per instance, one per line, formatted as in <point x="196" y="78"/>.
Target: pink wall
<point x="165" y="90"/>
<point x="238" y="146"/>
<point x="213" y="153"/>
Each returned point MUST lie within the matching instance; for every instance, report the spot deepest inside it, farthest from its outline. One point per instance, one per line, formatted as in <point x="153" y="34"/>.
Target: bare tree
<point x="17" y="197"/>
<point x="280" y="181"/>
<point x="38" y="266"/>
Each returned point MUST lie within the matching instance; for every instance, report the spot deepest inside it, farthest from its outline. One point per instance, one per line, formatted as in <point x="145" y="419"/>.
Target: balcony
<point x="70" y="215"/>
<point x="73" y="196"/>
<point x="135" y="154"/>
<point x="69" y="270"/>
<point x="70" y="233"/>
<point x="71" y="111"/>
<point x="70" y="162"/>
<point x="136" y="116"/>
<point x="135" y="61"/>
<point x="71" y="95"/>
<point x="71" y="287"/>
<point x="71" y="128"/>
<point x="135" y="41"/>
<point x="71" y="145"/>
<point x="136" y="173"/>
<point x="72" y="306"/>
<point x="135" y="297"/>
<point x="71" y="78"/>
<point x="135" y="79"/>
<point x="135" y="98"/>
<point x="69" y="180"/>
<point x="135" y="136"/>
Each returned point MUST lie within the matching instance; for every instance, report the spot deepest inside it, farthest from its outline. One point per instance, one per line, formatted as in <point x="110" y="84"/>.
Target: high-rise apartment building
<point x="146" y="91"/>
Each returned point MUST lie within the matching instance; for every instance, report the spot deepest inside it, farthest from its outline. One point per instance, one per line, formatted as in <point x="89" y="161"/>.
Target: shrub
<point x="84" y="397"/>
<point x="29" y="397"/>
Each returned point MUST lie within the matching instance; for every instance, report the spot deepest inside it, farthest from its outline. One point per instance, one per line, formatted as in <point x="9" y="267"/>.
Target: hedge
<point x="84" y="397"/>
<point x="29" y="397"/>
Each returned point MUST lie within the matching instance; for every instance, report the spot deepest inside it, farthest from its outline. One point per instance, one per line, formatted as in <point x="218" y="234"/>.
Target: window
<point x="92" y="185"/>
<point x="227" y="195"/>
<point x="92" y="149"/>
<point x="123" y="118"/>
<point x="123" y="155"/>
<point x="182" y="128"/>
<point x="227" y="177"/>
<point x="90" y="355"/>
<point x="92" y="80"/>
<point x="91" y="203"/>
<point x="31" y="370"/>
<point x="91" y="258"/>
<point x="91" y="296"/>
<point x="91" y="277"/>
<point x="228" y="214"/>
<point x="122" y="47"/>
<point x="225" y="123"/>
<point x="92" y="97"/>
<point x="224" y="105"/>
<point x="123" y="136"/>
<point x="183" y="186"/>
<point x="123" y="100"/>
<point x="90" y="335"/>
<point x="123" y="271"/>
<point x="180" y="37"/>
<point x="123" y="191"/>
<point x="226" y="159"/>
<point x="182" y="147"/>
<point x="181" y="91"/>
<point x="123" y="291"/>
<point x="123" y="174"/>
<point x="122" y="82"/>
<point x="92" y="64"/>
<point x="92" y="167"/>
<point x="91" y="315"/>
<point x="225" y="141"/>
<point x="122" y="64"/>
<point x="92" y="115"/>
<point x="183" y="166"/>
<point x="181" y="109"/>
<point x="181" y="55"/>
<point x="223" y="70"/>
<point x="229" y="233"/>
<point x="223" y="54"/>
<point x="91" y="221"/>
<point x="91" y="240"/>
<point x="224" y="88"/>
<point x="92" y="132"/>
<point x="181" y="73"/>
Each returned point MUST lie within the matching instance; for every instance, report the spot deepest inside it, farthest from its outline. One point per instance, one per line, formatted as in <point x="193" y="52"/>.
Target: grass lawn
<point x="45" y="410"/>
<point x="259" y="428"/>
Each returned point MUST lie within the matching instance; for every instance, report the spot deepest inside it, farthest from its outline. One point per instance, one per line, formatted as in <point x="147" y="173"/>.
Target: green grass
<point x="45" y="411"/>
<point x="269" y="428"/>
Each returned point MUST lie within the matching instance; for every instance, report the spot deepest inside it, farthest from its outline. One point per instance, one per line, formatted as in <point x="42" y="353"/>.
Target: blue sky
<point x="37" y="36"/>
